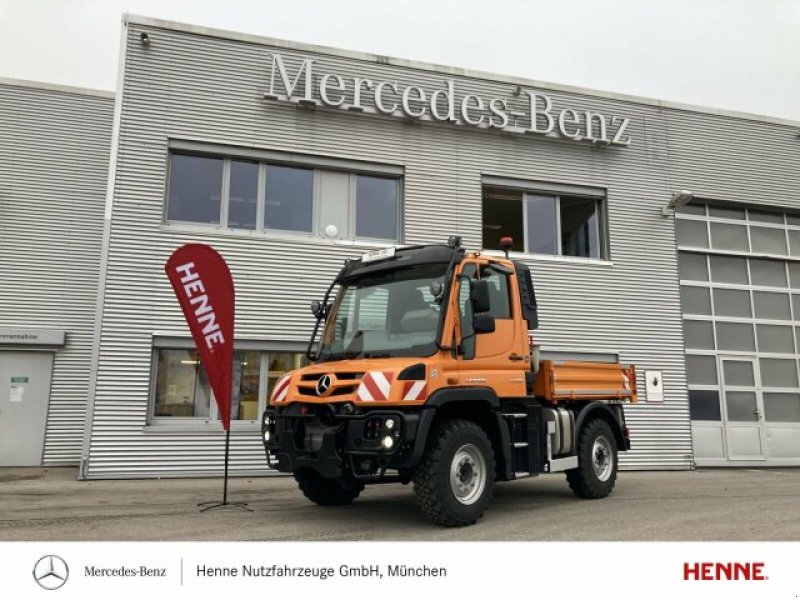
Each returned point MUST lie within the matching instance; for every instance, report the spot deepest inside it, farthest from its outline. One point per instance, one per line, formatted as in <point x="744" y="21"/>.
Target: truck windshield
<point x="392" y="313"/>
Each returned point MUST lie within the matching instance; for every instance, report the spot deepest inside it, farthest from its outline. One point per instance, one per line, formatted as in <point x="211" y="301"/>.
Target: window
<point x="741" y="406"/>
<point x="704" y="405"/>
<point x="385" y="314"/>
<point x="376" y="207"/>
<point x="699" y="334"/>
<point x="541" y="224"/>
<point x="258" y="196"/>
<point x="732" y="303"/>
<point x="781" y="408"/>
<point x="195" y="189"/>
<point x="695" y="300"/>
<point x="729" y="237"/>
<point x="243" y="204"/>
<point x="182" y="390"/>
<point x="693" y="266"/>
<point x="551" y="224"/>
<point x="692" y="233"/>
<point x="499" y="301"/>
<point x="768" y="272"/>
<point x="701" y="369"/>
<point x="768" y="240"/>
<point x="728" y="269"/>
<point x="735" y="336"/>
<point x="738" y="372"/>
<point x="289" y="199"/>
<point x="778" y="372"/>
<point x="769" y="305"/>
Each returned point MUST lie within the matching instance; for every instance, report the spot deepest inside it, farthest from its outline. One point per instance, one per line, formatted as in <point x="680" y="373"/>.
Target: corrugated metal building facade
<point x="189" y="95"/>
<point x="54" y="147"/>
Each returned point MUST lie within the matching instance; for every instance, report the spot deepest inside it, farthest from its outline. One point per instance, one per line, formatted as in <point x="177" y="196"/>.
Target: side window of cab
<point x="499" y="299"/>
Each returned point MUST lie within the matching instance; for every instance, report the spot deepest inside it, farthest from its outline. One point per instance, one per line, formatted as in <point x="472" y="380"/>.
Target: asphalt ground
<point x="723" y="505"/>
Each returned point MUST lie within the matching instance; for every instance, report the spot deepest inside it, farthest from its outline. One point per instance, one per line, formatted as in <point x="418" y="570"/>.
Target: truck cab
<point x="426" y="372"/>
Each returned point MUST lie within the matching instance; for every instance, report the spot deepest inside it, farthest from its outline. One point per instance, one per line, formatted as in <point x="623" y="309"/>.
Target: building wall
<point x="54" y="147"/>
<point x="201" y="86"/>
<point x="194" y="87"/>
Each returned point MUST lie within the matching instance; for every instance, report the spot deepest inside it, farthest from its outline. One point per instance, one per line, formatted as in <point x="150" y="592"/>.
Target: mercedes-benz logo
<point x="323" y="385"/>
<point x="51" y="572"/>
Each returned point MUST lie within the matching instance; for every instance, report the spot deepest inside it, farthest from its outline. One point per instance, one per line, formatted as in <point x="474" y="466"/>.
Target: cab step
<point x="527" y="438"/>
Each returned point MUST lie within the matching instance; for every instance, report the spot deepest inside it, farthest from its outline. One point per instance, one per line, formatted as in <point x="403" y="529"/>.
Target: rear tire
<point x="453" y="482"/>
<point x="325" y="491"/>
<point x="597" y="461"/>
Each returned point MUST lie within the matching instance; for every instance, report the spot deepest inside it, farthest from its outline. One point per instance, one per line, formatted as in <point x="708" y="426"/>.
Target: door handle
<point x="515" y="356"/>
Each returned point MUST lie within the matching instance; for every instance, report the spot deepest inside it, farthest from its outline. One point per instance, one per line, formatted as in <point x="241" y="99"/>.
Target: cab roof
<point x="410" y="256"/>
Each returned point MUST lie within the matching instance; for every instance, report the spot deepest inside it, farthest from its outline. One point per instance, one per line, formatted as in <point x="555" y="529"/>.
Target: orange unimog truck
<point x="427" y="373"/>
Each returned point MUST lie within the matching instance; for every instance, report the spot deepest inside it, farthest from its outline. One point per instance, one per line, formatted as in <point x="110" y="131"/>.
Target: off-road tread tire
<point x="432" y="475"/>
<point x="582" y="481"/>
<point x="324" y="491"/>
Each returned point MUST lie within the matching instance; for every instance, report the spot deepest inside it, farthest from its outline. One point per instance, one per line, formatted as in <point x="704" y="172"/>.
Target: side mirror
<point x="483" y="323"/>
<point x="317" y="309"/>
<point x="479" y="295"/>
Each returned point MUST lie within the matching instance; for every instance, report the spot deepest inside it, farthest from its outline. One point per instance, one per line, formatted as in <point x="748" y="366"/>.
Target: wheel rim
<point x="468" y="474"/>
<point x="602" y="458"/>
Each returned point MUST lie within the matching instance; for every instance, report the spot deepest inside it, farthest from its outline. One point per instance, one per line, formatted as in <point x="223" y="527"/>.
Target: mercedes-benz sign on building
<point x="289" y="158"/>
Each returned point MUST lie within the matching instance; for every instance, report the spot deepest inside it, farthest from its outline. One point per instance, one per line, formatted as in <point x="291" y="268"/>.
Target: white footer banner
<point x="388" y="570"/>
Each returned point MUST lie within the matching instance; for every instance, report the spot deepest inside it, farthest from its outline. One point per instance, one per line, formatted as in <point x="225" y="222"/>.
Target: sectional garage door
<point x="740" y="295"/>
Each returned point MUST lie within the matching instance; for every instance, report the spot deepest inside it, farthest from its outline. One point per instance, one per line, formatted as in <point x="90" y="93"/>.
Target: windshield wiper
<point x="354" y="354"/>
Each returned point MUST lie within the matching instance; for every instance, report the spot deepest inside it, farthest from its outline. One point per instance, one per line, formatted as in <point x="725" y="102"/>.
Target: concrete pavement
<point x="732" y="504"/>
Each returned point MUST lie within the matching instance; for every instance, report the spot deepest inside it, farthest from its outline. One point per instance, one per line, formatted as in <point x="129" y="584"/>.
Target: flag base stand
<point x="219" y="505"/>
<point x="224" y="504"/>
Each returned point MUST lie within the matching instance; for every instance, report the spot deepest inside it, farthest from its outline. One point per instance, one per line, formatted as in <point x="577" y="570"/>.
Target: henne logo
<point x="731" y="571"/>
<point x="50" y="572"/>
<point x="523" y="111"/>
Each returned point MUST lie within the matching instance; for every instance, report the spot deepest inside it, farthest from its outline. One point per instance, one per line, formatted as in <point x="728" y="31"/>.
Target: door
<point x="499" y="357"/>
<point x="24" y="397"/>
<point x="743" y="408"/>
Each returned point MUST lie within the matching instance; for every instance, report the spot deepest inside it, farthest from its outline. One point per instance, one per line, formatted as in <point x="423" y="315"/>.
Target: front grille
<point x="344" y="390"/>
<point x="351" y="376"/>
<point x="306" y="390"/>
<point x="340" y="376"/>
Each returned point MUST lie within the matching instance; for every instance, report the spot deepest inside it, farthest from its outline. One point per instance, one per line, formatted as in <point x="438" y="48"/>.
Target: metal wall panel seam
<point x="112" y="173"/>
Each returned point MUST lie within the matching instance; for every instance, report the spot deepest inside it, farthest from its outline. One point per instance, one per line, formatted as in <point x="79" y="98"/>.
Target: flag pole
<point x="224" y="504"/>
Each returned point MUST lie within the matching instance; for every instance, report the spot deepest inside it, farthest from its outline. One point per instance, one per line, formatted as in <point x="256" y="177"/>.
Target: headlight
<point x="387" y="442"/>
<point x="266" y="420"/>
<point x="389" y="423"/>
<point x="266" y="436"/>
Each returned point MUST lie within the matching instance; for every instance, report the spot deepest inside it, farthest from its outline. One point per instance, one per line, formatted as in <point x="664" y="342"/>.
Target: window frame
<point x="556" y="191"/>
<point x="317" y="165"/>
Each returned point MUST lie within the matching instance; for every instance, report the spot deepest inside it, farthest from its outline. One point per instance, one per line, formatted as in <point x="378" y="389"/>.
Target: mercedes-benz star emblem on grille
<point x="323" y="385"/>
<point x="51" y="572"/>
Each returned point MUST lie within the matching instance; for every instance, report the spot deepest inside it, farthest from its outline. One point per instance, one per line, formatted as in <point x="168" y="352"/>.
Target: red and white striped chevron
<point x="415" y="390"/>
<point x="375" y="386"/>
<point x="281" y="388"/>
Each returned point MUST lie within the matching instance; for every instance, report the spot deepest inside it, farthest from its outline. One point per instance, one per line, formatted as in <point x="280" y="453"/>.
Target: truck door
<point x="498" y="356"/>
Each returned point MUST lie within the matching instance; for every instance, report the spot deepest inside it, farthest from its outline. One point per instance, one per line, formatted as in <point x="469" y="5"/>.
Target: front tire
<point x="597" y="461"/>
<point x="453" y="483"/>
<point x="325" y="491"/>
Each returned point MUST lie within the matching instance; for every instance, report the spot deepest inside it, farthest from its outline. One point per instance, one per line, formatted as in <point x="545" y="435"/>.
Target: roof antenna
<point x="506" y="243"/>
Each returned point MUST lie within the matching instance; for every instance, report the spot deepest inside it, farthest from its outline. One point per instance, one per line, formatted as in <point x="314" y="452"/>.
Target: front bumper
<point x="336" y="444"/>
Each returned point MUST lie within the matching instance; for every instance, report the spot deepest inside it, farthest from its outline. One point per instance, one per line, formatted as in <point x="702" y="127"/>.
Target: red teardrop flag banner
<point x="204" y="287"/>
